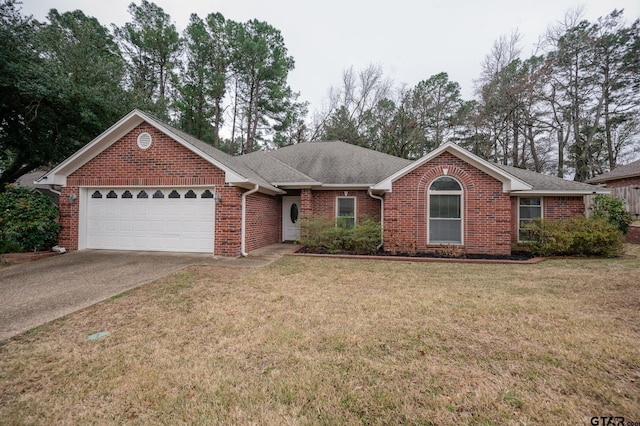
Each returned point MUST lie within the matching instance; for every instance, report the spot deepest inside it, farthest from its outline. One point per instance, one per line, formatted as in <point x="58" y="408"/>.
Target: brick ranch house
<point x="144" y="185"/>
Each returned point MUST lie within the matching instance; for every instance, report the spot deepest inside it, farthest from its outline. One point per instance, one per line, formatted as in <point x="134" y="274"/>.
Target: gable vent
<point x="144" y="140"/>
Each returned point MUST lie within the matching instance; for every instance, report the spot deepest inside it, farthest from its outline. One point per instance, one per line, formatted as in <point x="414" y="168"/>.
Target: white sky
<point x="411" y="39"/>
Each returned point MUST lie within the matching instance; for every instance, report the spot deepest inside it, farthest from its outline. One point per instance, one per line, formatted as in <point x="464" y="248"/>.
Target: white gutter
<point x="381" y="217"/>
<point x="243" y="227"/>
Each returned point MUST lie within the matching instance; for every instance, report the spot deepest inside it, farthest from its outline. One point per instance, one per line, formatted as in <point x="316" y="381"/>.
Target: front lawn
<point x="332" y="341"/>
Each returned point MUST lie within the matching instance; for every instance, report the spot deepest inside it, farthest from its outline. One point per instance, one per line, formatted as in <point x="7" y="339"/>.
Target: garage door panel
<point x="155" y="224"/>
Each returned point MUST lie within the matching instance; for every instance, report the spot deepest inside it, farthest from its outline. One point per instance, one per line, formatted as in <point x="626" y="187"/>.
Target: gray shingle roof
<point x="338" y="162"/>
<point x="541" y="182"/>
<point x="274" y="170"/>
<point x="620" y="172"/>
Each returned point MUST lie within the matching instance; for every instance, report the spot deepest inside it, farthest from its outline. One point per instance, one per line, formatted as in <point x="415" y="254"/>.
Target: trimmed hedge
<point x="322" y="235"/>
<point x="580" y="236"/>
<point x="28" y="221"/>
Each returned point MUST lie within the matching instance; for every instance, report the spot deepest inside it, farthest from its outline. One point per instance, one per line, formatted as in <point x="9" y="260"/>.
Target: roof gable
<point x="509" y="181"/>
<point x="235" y="172"/>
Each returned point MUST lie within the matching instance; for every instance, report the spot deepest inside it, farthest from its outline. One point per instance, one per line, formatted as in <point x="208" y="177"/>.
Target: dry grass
<point x="632" y="250"/>
<point x="320" y="341"/>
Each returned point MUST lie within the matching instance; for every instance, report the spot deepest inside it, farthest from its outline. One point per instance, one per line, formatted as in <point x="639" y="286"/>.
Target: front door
<point x="290" y="218"/>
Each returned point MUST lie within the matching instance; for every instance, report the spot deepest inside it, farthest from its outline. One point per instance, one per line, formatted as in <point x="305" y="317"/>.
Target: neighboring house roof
<point x="235" y="172"/>
<point x="27" y="180"/>
<point x="335" y="163"/>
<point x="620" y="172"/>
<point x="544" y="184"/>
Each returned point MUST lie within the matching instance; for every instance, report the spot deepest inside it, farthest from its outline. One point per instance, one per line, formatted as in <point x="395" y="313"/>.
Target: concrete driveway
<point x="35" y="293"/>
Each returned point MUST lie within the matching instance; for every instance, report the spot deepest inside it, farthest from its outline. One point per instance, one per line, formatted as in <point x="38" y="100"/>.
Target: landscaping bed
<point x="17" y="258"/>
<point x="515" y="256"/>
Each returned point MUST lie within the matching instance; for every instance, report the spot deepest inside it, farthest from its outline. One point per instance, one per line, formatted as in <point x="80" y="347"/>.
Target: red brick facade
<point x="486" y="210"/>
<point x="167" y="163"/>
<point x="324" y="203"/>
<point x="489" y="215"/>
<point x="263" y="221"/>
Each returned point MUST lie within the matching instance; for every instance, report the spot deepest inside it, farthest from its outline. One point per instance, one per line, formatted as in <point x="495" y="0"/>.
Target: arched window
<point x="445" y="211"/>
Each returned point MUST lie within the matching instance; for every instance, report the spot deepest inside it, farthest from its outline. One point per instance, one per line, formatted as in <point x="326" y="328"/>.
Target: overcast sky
<point x="411" y="39"/>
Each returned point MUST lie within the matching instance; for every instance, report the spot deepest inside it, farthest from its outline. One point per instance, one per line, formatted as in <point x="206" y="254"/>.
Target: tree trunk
<point x="235" y="113"/>
<point x="561" y="145"/>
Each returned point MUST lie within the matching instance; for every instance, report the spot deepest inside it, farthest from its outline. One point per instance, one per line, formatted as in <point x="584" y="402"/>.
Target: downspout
<point x="243" y="227"/>
<point x="381" y="217"/>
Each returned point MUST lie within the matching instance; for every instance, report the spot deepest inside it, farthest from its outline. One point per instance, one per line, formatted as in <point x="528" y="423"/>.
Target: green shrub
<point x="548" y="238"/>
<point x="364" y="238"/>
<point x="612" y="208"/>
<point x="319" y="233"/>
<point x="580" y="236"/>
<point x="28" y="221"/>
<point x="595" y="236"/>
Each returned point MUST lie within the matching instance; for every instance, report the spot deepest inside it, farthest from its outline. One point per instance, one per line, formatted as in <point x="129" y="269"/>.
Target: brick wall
<point x="165" y="163"/>
<point x="486" y="209"/>
<point x="633" y="235"/>
<point x="631" y="181"/>
<point x="306" y="203"/>
<point x="324" y="203"/>
<point x="228" y="226"/>
<point x="562" y="208"/>
<point x="263" y="221"/>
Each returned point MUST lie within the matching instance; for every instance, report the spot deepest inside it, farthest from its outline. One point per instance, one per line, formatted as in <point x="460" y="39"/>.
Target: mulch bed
<point x="515" y="257"/>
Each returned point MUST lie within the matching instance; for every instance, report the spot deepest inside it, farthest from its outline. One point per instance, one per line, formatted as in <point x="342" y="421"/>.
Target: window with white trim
<point x="346" y="212"/>
<point x="529" y="208"/>
<point x="445" y="211"/>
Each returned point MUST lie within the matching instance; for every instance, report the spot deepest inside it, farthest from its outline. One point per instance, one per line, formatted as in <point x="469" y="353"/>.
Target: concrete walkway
<point x="34" y="293"/>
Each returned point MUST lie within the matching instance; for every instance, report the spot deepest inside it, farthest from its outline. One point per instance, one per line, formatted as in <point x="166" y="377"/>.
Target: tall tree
<point x="496" y="104"/>
<point x="293" y="128"/>
<point x="261" y="66"/>
<point x="203" y="78"/>
<point x="60" y="86"/>
<point x="436" y="102"/>
<point x="351" y="105"/>
<point x="617" y="52"/>
<point x="152" y="46"/>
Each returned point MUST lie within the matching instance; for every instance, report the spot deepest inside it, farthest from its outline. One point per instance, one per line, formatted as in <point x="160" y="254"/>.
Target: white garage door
<point x="155" y="219"/>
